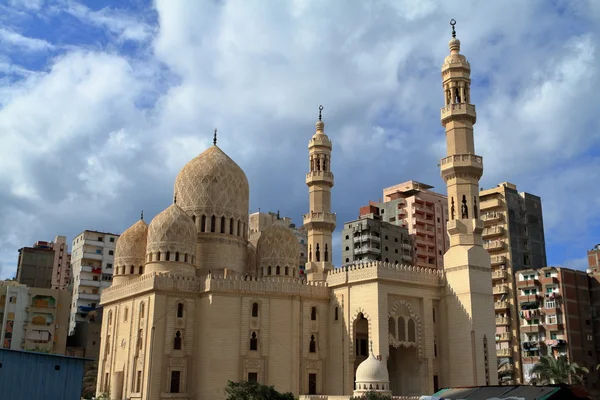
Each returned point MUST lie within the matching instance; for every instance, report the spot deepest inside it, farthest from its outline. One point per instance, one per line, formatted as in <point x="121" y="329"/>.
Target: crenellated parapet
<point x="369" y="270"/>
<point x="214" y="283"/>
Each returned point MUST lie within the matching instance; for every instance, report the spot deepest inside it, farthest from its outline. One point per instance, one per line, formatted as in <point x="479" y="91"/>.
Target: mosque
<point x="194" y="302"/>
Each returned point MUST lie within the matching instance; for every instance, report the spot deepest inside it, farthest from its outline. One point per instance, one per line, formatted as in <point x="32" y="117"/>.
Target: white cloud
<point x="14" y="39"/>
<point x="258" y="71"/>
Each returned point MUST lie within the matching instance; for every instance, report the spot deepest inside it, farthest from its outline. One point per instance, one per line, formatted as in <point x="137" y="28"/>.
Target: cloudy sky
<point x="102" y="104"/>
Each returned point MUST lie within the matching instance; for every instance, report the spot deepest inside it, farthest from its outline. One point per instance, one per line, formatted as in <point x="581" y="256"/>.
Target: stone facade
<point x="232" y="311"/>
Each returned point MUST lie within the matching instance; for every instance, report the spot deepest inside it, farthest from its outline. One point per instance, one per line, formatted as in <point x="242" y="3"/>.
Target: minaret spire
<point x="320" y="221"/>
<point x="215" y="138"/>
<point x="467" y="265"/>
<point x="142" y="216"/>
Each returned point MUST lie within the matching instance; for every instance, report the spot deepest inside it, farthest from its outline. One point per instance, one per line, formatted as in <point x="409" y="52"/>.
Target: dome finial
<point x="175" y="198"/>
<point x="142" y="216"/>
<point x="452" y="23"/>
<point x="215" y="138"/>
<point x="371" y="347"/>
<point x="320" y="116"/>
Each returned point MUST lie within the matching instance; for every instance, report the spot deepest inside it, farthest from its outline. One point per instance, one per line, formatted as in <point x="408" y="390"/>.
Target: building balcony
<point x="496" y="245"/>
<point x="319" y="217"/>
<point x="530" y="359"/>
<point x="367" y="249"/>
<point x="406" y="246"/>
<point x="499" y="274"/>
<point x="501" y="305"/>
<point x="407" y="257"/>
<point x="92" y="256"/>
<point x="533" y="328"/>
<point x="555" y="327"/>
<point x="501" y="321"/>
<point x="491" y="217"/>
<point x="89" y="296"/>
<point x="529" y="283"/>
<point x="319" y="176"/>
<point x="426" y="264"/>
<point x="366" y="238"/>
<point x="489" y="204"/>
<point x="503" y="352"/>
<point x="551" y="280"/>
<point x="529" y="298"/>
<point x="498" y="260"/>
<point x="492" y="232"/>
<point x="500" y="289"/>
<point x="503" y="337"/>
<point x="89" y="282"/>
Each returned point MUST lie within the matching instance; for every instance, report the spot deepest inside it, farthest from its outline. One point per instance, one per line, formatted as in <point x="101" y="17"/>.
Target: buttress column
<point x="320" y="221"/>
<point x="470" y="342"/>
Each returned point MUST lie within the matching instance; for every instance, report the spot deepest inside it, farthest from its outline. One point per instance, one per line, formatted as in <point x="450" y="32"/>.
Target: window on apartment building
<point x="547" y="274"/>
<point x="551" y="319"/>
<point x="109" y="265"/>
<point x="438" y="219"/>
<point x="100" y="239"/>
<point x="587" y="321"/>
<point x="396" y="250"/>
<point x="110" y="252"/>
<point x="112" y="239"/>
<point x="550" y="304"/>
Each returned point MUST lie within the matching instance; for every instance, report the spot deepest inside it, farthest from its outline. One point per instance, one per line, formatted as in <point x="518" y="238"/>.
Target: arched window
<point x="318" y="253"/>
<point x="269" y="270"/>
<point x="313" y="344"/>
<point x="336" y="313"/>
<point x="158" y="256"/>
<point x="141" y="310"/>
<point x="310" y="253"/>
<point x="177" y="341"/>
<point x="203" y="224"/>
<point x="141" y="269"/>
<point x="177" y="256"/>
<point x="347" y="260"/>
<point x="223" y="224"/>
<point x="387" y="260"/>
<point x="277" y="270"/>
<point x="131" y="269"/>
<point x="194" y="219"/>
<point x="180" y="310"/>
<point x="313" y="314"/>
<point x="168" y="256"/>
<point x="412" y="332"/>
<point x="213" y="223"/>
<point x="347" y="248"/>
<point x="255" y="310"/>
<point x="326" y="253"/>
<point x="110" y="318"/>
<point x="185" y="257"/>
<point x="239" y="230"/>
<point x="253" y="342"/>
<point x="286" y="270"/>
<point x="392" y="326"/>
<point x="231" y="226"/>
<point x="401" y="329"/>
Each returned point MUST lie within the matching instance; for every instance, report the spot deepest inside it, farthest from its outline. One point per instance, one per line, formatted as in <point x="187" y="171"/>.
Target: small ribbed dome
<point x="131" y="246"/>
<point x="172" y="230"/>
<point x="278" y="245"/>
<point x="373" y="371"/>
<point x="212" y="183"/>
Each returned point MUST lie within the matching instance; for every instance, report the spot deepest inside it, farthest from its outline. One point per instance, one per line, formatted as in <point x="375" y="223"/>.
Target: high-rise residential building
<point x="413" y="205"/>
<point x="555" y="318"/>
<point x="594" y="259"/>
<point x="370" y="238"/>
<point x="61" y="269"/>
<point x="92" y="262"/>
<point x="259" y="221"/>
<point x="513" y="234"/>
<point x="33" y="319"/>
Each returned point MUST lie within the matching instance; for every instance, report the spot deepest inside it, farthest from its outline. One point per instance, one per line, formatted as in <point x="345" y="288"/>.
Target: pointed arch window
<point x="312" y="348"/>
<point x="132" y="269"/>
<point x="213" y="223"/>
<point x="313" y="314"/>
<point x="141" y="310"/>
<point x="253" y="342"/>
<point x="269" y="270"/>
<point x="254" y="310"/>
<point x="286" y="271"/>
<point x="223" y="224"/>
<point x="326" y="253"/>
<point x="168" y="256"/>
<point x="277" y="270"/>
<point x="141" y="269"/>
<point x="180" y="310"/>
<point x="177" y="256"/>
<point x="318" y="253"/>
<point x="203" y="224"/>
<point x="239" y="228"/>
<point x="177" y="341"/>
<point x="231" y="226"/>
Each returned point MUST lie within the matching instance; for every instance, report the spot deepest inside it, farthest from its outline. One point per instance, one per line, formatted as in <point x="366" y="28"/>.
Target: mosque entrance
<point x="403" y="368"/>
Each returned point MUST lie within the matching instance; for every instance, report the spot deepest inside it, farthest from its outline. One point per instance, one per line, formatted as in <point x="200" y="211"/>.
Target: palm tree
<point x="551" y="370"/>
<point x="89" y="382"/>
<point x="504" y="369"/>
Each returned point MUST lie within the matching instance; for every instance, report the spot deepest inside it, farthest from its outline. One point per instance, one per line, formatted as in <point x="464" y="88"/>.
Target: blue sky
<point x="103" y="102"/>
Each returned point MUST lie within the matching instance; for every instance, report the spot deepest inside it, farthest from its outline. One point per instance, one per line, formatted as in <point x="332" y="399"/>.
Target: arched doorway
<point x="403" y="368"/>
<point x="361" y="341"/>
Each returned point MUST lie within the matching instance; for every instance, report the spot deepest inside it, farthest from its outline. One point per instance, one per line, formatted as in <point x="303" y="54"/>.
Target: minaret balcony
<point x="319" y="217"/>
<point x="320" y="140"/>
<point x="458" y="111"/>
<point x="462" y="163"/>
<point x="320" y="177"/>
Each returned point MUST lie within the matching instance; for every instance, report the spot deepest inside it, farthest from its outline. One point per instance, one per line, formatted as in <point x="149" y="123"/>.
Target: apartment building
<point x="92" y="261"/>
<point x="414" y="206"/>
<point x="514" y="236"/>
<point x="61" y="267"/>
<point x="371" y="238"/>
<point x="33" y="319"/>
<point x="45" y="264"/>
<point x="259" y="221"/>
<point x="594" y="259"/>
<point x="555" y="318"/>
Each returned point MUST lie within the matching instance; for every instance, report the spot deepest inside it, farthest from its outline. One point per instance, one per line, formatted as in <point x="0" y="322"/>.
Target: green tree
<point x="504" y="370"/>
<point x="551" y="370"/>
<point x="254" y="391"/>
<point x="89" y="382"/>
<point x="372" y="396"/>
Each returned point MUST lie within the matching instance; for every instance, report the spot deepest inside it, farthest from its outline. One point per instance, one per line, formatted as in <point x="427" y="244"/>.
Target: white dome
<point x="373" y="371"/>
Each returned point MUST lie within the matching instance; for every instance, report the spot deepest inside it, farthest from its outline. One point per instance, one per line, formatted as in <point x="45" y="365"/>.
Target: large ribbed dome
<point x="172" y="230"/>
<point x="278" y="245"/>
<point x="131" y="246"/>
<point x="212" y="183"/>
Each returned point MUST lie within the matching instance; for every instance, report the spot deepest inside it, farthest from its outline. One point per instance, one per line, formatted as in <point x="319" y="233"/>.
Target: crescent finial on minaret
<point x="452" y="23"/>
<point x="320" y="116"/>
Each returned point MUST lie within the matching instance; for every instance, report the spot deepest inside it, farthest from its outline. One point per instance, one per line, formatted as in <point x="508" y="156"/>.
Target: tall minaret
<point x="320" y="221"/>
<point x="469" y="299"/>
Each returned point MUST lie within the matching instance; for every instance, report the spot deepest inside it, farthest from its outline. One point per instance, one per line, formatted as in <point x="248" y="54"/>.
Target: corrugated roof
<point x="521" y="392"/>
